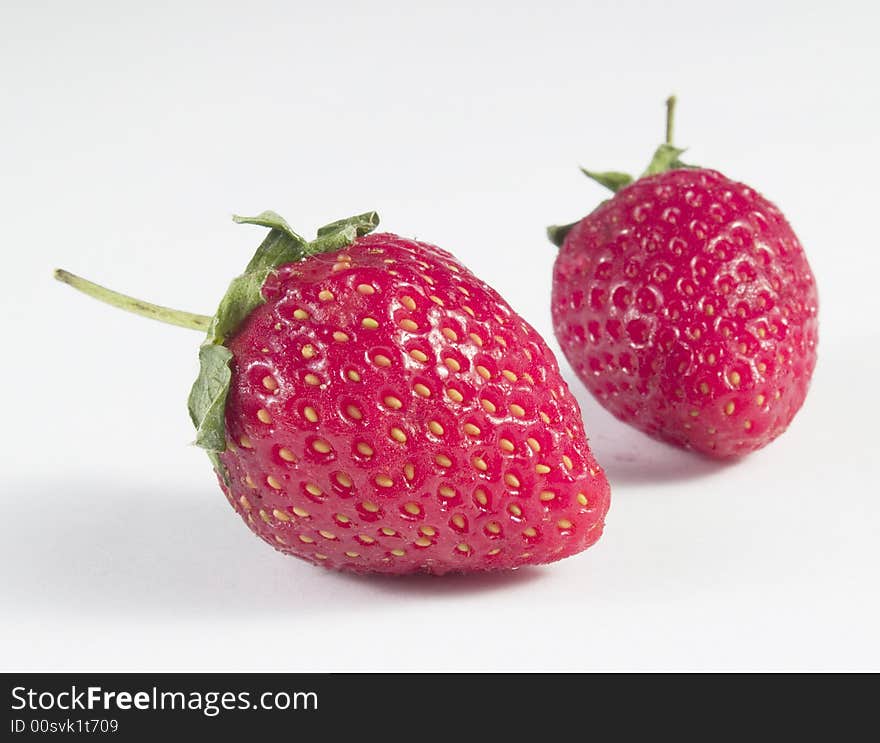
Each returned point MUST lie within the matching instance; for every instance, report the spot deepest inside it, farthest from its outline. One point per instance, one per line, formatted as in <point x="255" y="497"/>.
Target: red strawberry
<point x="686" y="305"/>
<point x="370" y="405"/>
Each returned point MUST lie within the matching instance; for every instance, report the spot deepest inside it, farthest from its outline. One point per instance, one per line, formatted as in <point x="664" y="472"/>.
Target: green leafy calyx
<point x="207" y="399"/>
<point x="666" y="157"/>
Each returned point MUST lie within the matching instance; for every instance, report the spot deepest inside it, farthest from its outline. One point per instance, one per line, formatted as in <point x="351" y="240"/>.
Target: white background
<point x="129" y="132"/>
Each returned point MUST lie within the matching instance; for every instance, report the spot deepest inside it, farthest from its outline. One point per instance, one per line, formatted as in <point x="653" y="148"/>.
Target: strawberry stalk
<point x="130" y="304"/>
<point x="666" y="157"/>
<point x="207" y="398"/>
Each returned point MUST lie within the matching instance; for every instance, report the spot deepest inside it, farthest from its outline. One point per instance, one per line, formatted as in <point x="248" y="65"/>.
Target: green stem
<point x="130" y="304"/>
<point x="670" y="118"/>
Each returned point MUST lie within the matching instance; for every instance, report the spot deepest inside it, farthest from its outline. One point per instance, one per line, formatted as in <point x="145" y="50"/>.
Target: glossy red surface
<point x="389" y="412"/>
<point x="687" y="307"/>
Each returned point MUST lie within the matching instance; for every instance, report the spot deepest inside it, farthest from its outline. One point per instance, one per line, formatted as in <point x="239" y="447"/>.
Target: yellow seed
<point x="301" y="314"/>
<point x="409" y="325"/>
<point x="464" y="548"/>
<point x="354" y="412"/>
<point x="249" y="482"/>
<point x="301" y="512"/>
<point x="694" y="413"/>
<point x="436" y="300"/>
<point x="483" y="372"/>
<point x="365" y="539"/>
<point x="509" y="375"/>
<point x="265" y="516"/>
<point x="264" y="416"/>
<point x="398" y="552"/>
<point x="419" y="356"/>
<point x="245" y="442"/>
<point x="542" y="469"/>
<point x="306" y="539"/>
<point x="454" y="395"/>
<point x="759" y="400"/>
<point x="517" y="411"/>
<point x="269" y="382"/>
<point x="245" y="503"/>
<point x="365" y="449"/>
<point x="383" y="481"/>
<point x="481" y="497"/>
<point x="342" y="518"/>
<point x="547" y="495"/>
<point x="475" y="338"/>
<point x="423" y="542"/>
<point x="446" y="491"/>
<point x="398" y="435"/>
<point x="370" y="507"/>
<point x="709" y="310"/>
<point x="458" y="521"/>
<point x="428" y="531"/>
<point x="488" y="405"/>
<point x="273" y="482"/>
<point x="392" y="402"/>
<point x="409" y="471"/>
<point x="353" y="375"/>
<point x="369" y="323"/>
<point x="311" y="414"/>
<point x="450" y="334"/>
<point x="321" y="446"/>
<point x="327" y="534"/>
<point x="530" y="532"/>
<point x="494" y="551"/>
<point x="564" y="524"/>
<point x="452" y="364"/>
<point x="412" y="508"/>
<point x="352" y="554"/>
<point x="280" y="515"/>
<point x="388" y="531"/>
<point x="436" y="428"/>
<point x="408" y="302"/>
<point x="443" y="460"/>
<point x="308" y="351"/>
<point x="318" y="555"/>
<point x="325" y="295"/>
<point x="515" y="510"/>
<point x="566" y="460"/>
<point x="287" y="455"/>
<point x="747" y="425"/>
<point x="480" y="464"/>
<point x="506" y="445"/>
<point x="582" y="499"/>
<point x="339" y="336"/>
<point x="313" y="489"/>
<point x="728" y="408"/>
<point x="761" y="366"/>
<point x="471" y="430"/>
<point x="463" y="291"/>
<point x="528" y="377"/>
<point x="734" y="378"/>
<point x="493" y="527"/>
<point x="381" y="360"/>
<point x="365" y="289"/>
<point x="512" y="480"/>
<point x="313" y="379"/>
<point x="544" y="417"/>
<point x="422" y="390"/>
<point x="704" y="388"/>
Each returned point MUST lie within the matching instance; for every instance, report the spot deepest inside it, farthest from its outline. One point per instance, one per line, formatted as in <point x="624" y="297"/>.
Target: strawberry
<point x="370" y="405"/>
<point x="686" y="305"/>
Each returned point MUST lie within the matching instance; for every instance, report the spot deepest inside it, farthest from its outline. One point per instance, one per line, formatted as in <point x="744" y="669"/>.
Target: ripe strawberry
<point x="686" y="305"/>
<point x="370" y="405"/>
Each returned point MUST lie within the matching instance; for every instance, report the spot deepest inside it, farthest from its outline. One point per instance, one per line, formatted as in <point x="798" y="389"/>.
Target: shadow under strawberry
<point x="631" y="457"/>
